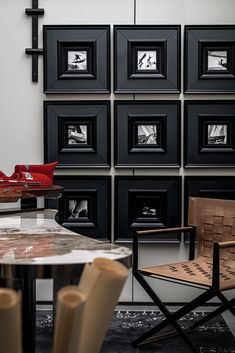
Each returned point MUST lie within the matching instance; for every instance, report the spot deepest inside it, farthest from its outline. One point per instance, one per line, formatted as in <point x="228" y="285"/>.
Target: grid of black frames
<point x="146" y="59"/>
<point x="146" y="133"/>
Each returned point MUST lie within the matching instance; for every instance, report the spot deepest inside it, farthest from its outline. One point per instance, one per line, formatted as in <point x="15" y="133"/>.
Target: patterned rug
<point x="126" y="326"/>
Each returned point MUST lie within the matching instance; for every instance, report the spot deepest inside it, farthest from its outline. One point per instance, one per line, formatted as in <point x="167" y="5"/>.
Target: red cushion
<point x="36" y="173"/>
<point x="47" y="169"/>
<point x="40" y="173"/>
<point x="30" y="177"/>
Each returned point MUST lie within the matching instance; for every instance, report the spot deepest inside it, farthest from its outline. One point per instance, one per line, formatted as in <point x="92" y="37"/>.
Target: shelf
<point x="12" y="193"/>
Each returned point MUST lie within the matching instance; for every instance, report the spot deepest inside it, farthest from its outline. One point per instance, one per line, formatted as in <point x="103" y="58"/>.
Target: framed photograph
<point x="147" y="202"/>
<point x="147" y="59"/>
<point x="209" y="59"/>
<point x="77" y="133"/>
<point x="209" y="134"/>
<point x="76" y="59"/>
<point x="85" y="206"/>
<point x="147" y="134"/>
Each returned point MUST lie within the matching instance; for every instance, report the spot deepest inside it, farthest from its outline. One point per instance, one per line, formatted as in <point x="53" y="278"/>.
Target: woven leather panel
<point x="215" y="222"/>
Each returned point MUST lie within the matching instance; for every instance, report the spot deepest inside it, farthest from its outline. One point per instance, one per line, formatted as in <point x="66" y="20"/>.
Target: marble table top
<point x="35" y="239"/>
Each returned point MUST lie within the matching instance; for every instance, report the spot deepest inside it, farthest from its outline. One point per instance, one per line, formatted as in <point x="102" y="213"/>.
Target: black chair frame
<point x="171" y="318"/>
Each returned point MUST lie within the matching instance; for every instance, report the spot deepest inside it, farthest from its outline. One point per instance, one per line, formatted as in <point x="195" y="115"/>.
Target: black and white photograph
<point x="146" y="60"/>
<point x="147" y="134"/>
<point x="78" y="208"/>
<point x="217" y="134"/>
<point x="77" y="134"/>
<point x="217" y="60"/>
<point x="146" y="207"/>
<point x="77" y="60"/>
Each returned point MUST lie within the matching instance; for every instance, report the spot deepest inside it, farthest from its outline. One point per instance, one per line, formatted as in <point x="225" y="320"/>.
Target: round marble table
<point x="33" y="246"/>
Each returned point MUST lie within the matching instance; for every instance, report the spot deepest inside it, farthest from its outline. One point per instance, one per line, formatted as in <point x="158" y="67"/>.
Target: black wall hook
<point x="34" y="51"/>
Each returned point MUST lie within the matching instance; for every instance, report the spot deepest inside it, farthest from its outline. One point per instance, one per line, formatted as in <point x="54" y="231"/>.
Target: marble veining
<point x="36" y="238"/>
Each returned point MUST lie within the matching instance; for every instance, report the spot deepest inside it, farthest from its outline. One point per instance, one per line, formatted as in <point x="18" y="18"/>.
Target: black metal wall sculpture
<point x="34" y="51"/>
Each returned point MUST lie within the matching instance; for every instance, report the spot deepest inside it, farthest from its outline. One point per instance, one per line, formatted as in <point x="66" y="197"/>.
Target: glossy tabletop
<point x="33" y="245"/>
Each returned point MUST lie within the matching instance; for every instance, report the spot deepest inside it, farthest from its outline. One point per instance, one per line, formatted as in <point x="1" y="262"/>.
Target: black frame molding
<point x="97" y="191"/>
<point x="95" y="115"/>
<point x="162" y="191"/>
<point x="198" y="40"/>
<point x="198" y="153"/>
<point x="165" y="40"/>
<point x="59" y="40"/>
<point x="165" y="115"/>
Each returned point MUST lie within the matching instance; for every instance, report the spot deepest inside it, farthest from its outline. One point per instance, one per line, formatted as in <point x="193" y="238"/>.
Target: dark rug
<point x="126" y="326"/>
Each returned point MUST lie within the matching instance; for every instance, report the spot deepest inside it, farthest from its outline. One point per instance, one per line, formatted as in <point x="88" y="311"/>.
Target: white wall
<point x="21" y="119"/>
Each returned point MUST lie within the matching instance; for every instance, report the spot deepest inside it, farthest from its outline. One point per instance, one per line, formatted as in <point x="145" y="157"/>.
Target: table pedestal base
<point x="28" y="288"/>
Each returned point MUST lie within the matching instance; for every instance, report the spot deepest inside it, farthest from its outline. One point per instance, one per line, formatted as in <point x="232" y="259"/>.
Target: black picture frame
<point x="209" y="138"/>
<point x="147" y="202"/>
<point x="76" y="58"/>
<point x="147" y="59"/>
<point x="159" y="124"/>
<point x="77" y="133"/>
<point x="85" y="205"/>
<point x="209" y="59"/>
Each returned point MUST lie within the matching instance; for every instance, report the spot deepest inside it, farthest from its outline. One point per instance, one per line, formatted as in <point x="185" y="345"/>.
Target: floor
<point x="228" y="317"/>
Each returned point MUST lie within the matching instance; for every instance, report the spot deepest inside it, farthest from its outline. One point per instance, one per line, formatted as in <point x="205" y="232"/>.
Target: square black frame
<point x="167" y="192"/>
<point x="95" y="189"/>
<point x="199" y="39"/>
<point x="95" y="115"/>
<point x="215" y="187"/>
<point x="198" y="152"/>
<point x="59" y="40"/>
<point x="165" y="115"/>
<point x="165" y="40"/>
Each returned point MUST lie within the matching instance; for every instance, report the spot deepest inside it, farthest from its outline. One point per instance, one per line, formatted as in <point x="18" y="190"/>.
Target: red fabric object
<point x="32" y="178"/>
<point x="35" y="173"/>
<point x="47" y="169"/>
<point x="3" y="176"/>
<point x="41" y="174"/>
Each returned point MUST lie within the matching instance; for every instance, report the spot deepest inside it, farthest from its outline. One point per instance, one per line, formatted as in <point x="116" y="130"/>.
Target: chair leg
<point x="214" y="313"/>
<point x="170" y="318"/>
<point x="228" y="304"/>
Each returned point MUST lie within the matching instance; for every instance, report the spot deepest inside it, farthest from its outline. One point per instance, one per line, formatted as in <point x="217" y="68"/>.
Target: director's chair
<point x="213" y="269"/>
